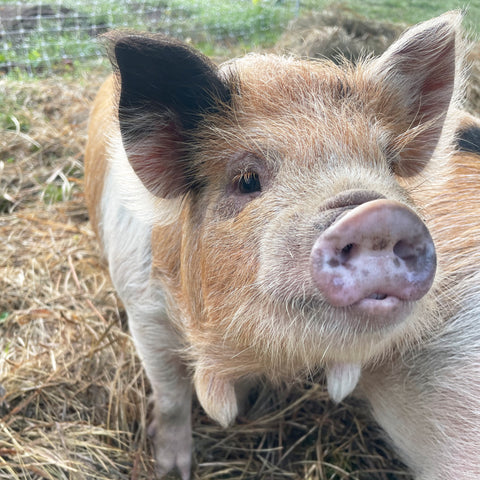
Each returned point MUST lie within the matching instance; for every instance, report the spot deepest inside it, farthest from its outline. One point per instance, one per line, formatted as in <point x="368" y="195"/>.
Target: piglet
<point x="275" y="216"/>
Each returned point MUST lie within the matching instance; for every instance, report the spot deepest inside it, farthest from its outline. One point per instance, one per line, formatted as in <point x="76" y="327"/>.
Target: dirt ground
<point x="73" y="396"/>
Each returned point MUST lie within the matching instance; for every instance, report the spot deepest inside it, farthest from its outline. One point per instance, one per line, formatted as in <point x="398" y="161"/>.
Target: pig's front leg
<point x="429" y="404"/>
<point x="158" y="344"/>
<point x="127" y="241"/>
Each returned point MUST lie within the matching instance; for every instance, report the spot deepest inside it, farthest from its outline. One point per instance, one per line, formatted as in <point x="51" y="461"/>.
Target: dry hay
<point x="73" y="394"/>
<point x="339" y="33"/>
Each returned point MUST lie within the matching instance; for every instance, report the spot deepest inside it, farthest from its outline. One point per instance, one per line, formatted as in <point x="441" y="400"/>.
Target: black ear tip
<point x="158" y="73"/>
<point x="128" y="45"/>
<point x="124" y="44"/>
<point x="113" y="43"/>
<point x="143" y="51"/>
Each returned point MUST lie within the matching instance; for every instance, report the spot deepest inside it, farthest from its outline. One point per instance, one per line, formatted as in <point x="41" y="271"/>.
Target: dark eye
<point x="248" y="183"/>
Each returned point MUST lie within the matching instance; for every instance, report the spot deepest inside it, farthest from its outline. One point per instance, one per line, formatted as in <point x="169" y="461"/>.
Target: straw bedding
<point x="73" y="396"/>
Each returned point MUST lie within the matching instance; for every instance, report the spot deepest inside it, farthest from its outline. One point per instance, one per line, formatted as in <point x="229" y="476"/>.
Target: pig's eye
<point x="248" y="183"/>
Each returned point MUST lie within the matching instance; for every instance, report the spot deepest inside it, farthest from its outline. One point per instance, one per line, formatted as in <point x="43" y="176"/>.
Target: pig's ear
<point x="423" y="69"/>
<point x="166" y="88"/>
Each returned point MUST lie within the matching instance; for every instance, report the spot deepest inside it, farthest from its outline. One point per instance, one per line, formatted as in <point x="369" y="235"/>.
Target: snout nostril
<point x="347" y="251"/>
<point x="377" y="257"/>
<point x="404" y="250"/>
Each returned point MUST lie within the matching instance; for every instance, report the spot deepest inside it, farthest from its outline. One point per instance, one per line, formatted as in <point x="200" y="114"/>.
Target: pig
<point x="273" y="217"/>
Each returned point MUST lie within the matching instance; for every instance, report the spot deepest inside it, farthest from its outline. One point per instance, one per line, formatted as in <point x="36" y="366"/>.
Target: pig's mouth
<point x="377" y="311"/>
<point x="381" y="309"/>
<point x="378" y="302"/>
<point x="377" y="296"/>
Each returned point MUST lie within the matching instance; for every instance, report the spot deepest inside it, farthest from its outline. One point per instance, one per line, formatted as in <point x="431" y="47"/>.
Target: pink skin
<point x="376" y="258"/>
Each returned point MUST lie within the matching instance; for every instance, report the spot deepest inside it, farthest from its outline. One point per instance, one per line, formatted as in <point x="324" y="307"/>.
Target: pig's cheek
<point x="232" y="207"/>
<point x="284" y="268"/>
<point x="227" y="208"/>
<point x="229" y="265"/>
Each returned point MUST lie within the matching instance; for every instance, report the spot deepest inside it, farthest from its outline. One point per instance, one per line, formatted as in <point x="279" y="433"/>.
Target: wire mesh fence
<point x="37" y="37"/>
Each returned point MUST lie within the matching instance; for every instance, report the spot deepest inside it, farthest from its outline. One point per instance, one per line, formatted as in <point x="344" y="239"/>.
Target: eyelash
<point x="248" y="183"/>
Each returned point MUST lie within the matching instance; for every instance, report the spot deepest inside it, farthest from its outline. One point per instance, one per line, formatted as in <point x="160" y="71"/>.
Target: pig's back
<point x="452" y="206"/>
<point x="101" y="121"/>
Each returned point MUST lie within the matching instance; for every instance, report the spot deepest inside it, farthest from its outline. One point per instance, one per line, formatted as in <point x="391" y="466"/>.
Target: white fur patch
<point x="126" y="243"/>
<point x="133" y="195"/>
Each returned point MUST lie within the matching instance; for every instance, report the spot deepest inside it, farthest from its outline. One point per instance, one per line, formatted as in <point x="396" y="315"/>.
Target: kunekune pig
<point x="275" y="216"/>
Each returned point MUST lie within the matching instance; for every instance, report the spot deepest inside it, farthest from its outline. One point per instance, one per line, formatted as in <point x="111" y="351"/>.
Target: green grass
<point x="410" y="11"/>
<point x="214" y="26"/>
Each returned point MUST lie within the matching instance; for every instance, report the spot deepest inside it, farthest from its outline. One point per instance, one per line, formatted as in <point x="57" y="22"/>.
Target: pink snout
<point x="374" y="257"/>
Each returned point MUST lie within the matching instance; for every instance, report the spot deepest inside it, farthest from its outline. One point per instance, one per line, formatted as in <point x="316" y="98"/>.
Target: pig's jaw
<point x="384" y="306"/>
<point x="380" y="314"/>
<point x="218" y="398"/>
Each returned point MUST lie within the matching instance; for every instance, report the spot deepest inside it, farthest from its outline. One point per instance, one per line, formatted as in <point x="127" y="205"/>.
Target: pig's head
<point x="296" y="244"/>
